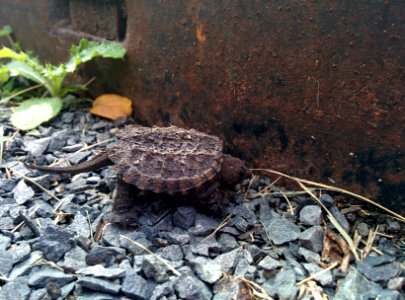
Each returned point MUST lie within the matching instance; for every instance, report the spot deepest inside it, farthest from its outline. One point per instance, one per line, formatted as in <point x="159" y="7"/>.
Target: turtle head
<point x="233" y="171"/>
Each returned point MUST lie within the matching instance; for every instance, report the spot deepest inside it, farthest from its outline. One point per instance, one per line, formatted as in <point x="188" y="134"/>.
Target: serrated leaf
<point x="34" y="112"/>
<point x="111" y="106"/>
<point x="87" y="50"/>
<point x="9" y="53"/>
<point x="18" y="68"/>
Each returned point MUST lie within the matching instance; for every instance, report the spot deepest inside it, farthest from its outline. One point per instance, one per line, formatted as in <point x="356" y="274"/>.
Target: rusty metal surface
<point x="311" y="88"/>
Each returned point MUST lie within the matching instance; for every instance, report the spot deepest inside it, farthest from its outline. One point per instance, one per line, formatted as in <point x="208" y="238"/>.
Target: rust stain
<point x="201" y="37"/>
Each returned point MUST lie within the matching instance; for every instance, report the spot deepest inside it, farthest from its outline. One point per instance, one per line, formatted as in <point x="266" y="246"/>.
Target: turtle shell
<point x="166" y="159"/>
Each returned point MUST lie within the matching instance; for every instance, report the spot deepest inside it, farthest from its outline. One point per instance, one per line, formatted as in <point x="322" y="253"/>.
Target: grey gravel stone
<point x="39" y="278"/>
<point x="203" y="225"/>
<point x="67" y="289"/>
<point x="7" y="185"/>
<point x="177" y="236"/>
<point x="269" y="263"/>
<point x="154" y="268"/>
<point x="379" y="273"/>
<point x="311" y="215"/>
<point x="393" y="226"/>
<point x="204" y="248"/>
<point x="74" y="259"/>
<point x="327" y="200"/>
<point x="39" y="294"/>
<point x="282" y="285"/>
<point x="377" y="260"/>
<point x="309" y="255"/>
<point x="226" y="288"/>
<point x="4" y="241"/>
<point x="53" y="290"/>
<point x="92" y="295"/>
<point x="396" y="283"/>
<point x="54" y="242"/>
<point x="24" y="267"/>
<point x="6" y="262"/>
<point x="281" y="231"/>
<point x="229" y="260"/>
<point x="184" y="217"/>
<point x="162" y="290"/>
<point x="77" y="185"/>
<point x="101" y="271"/>
<point x="172" y="253"/>
<point x="340" y="217"/>
<point x="20" y="251"/>
<point x="363" y="229"/>
<point x="245" y="269"/>
<point x="80" y="226"/>
<point x="102" y="255"/>
<point x="43" y="209"/>
<point x="191" y="288"/>
<point x="99" y="285"/>
<point x="15" y="289"/>
<point x="206" y="269"/>
<point x="22" y="192"/>
<point x="355" y="286"/>
<point x="312" y="238"/>
<point x="138" y="237"/>
<point x="6" y="223"/>
<point x="111" y="235"/>
<point x="78" y="157"/>
<point x="227" y="242"/>
<point x="325" y="279"/>
<point x="37" y="147"/>
<point x="136" y="287"/>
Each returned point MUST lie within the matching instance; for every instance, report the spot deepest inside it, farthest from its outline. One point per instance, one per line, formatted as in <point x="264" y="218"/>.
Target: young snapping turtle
<point x="162" y="160"/>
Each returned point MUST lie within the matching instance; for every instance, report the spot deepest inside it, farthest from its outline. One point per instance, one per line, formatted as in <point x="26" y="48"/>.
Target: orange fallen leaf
<point x="111" y="106"/>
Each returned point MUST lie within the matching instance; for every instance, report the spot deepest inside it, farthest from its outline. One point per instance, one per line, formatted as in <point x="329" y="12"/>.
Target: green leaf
<point x="9" y="53"/>
<point x="87" y="50"/>
<point x="18" y="68"/>
<point x="34" y="112"/>
<point x="73" y="88"/>
<point x="4" y="74"/>
<point x="6" y="30"/>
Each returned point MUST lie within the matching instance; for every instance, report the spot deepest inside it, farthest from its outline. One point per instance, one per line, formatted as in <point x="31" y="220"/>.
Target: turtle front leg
<point x="123" y="211"/>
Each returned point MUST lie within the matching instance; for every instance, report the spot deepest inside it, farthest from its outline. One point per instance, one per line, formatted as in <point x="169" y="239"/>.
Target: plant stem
<point x="7" y="99"/>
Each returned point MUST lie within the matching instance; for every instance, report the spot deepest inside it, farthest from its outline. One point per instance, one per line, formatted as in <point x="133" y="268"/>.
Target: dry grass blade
<point x="317" y="274"/>
<point x="248" y="187"/>
<point x="221" y="225"/>
<point x="4" y="278"/>
<point x="314" y="290"/>
<point x="334" y="189"/>
<point x="257" y="291"/>
<point x="84" y="148"/>
<point x="372" y="234"/>
<point x="288" y="202"/>
<point x="171" y="268"/>
<point x="23" y="222"/>
<point x="35" y="183"/>
<point x="335" y="223"/>
<point x="7" y="99"/>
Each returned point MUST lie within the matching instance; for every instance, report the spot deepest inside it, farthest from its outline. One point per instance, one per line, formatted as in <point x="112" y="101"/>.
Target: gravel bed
<point x="65" y="249"/>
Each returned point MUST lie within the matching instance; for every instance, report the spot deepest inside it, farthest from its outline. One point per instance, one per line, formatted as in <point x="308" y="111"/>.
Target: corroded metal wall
<point x="313" y="88"/>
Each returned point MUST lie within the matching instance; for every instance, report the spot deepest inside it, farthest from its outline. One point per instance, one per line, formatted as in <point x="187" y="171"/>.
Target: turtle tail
<point x="98" y="161"/>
